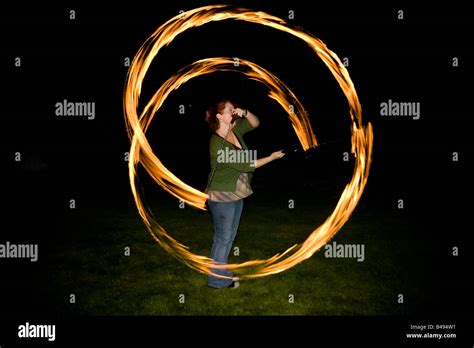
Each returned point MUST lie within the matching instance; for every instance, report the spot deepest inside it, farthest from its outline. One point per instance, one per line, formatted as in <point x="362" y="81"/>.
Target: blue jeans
<point x="225" y="218"/>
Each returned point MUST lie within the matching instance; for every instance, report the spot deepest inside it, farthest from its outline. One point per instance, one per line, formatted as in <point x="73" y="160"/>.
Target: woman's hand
<point x="268" y="159"/>
<point x="277" y="155"/>
<point x="239" y="112"/>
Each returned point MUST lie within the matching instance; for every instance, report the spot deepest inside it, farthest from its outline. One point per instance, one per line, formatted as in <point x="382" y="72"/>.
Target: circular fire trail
<point x="141" y="152"/>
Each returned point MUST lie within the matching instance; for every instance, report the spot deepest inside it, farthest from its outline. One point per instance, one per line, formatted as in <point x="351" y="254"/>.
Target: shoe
<point x="232" y="285"/>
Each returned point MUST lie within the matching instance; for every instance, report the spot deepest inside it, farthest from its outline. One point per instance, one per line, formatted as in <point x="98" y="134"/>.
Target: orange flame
<point x="141" y="152"/>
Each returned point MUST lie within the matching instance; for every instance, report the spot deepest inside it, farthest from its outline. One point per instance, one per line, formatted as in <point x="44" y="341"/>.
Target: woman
<point x="229" y="181"/>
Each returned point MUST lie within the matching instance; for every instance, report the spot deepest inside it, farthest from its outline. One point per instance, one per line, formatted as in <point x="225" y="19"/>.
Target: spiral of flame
<point x="141" y="152"/>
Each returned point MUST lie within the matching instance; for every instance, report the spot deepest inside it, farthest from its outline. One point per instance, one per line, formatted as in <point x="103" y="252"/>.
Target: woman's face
<point x="226" y="114"/>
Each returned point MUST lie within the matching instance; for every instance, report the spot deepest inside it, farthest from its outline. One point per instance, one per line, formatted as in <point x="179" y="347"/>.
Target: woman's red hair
<point x="212" y="111"/>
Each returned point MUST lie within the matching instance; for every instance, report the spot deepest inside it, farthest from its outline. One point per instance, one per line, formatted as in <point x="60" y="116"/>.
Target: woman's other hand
<point x="277" y="155"/>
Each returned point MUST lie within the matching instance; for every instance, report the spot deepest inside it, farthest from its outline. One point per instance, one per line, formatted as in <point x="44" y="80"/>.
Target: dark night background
<point x="83" y="60"/>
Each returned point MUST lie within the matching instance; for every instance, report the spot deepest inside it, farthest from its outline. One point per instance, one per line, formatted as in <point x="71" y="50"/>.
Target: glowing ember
<point x="141" y="152"/>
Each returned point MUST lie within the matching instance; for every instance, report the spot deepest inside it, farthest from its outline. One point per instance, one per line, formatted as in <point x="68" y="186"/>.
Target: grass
<point x="89" y="262"/>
